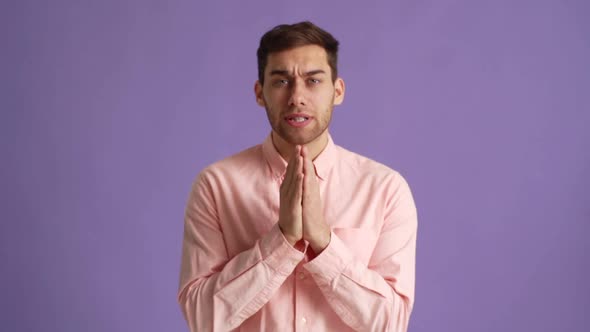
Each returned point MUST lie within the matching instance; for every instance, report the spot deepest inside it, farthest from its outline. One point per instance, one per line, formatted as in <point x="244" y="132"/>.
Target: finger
<point x="308" y="168"/>
<point x="304" y="151"/>
<point x="293" y="192"/>
<point x="297" y="177"/>
<point x="300" y="165"/>
<point x="304" y="154"/>
<point x="306" y="161"/>
<point x="290" y="166"/>
<point x="299" y="185"/>
<point x="295" y="161"/>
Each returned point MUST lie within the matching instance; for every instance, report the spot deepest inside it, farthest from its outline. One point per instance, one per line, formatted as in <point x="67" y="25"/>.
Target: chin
<point x="299" y="140"/>
<point x="298" y="137"/>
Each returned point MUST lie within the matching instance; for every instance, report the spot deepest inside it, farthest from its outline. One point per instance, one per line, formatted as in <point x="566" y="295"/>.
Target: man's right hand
<point x="290" y="211"/>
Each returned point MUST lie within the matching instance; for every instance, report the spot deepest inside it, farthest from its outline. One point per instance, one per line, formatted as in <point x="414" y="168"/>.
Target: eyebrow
<point x="286" y="72"/>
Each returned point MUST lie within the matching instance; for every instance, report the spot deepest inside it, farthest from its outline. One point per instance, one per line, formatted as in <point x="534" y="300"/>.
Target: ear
<point x="339" y="91"/>
<point x="258" y="94"/>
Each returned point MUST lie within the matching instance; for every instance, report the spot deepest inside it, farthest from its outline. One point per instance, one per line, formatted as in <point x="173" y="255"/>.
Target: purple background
<point x="109" y="109"/>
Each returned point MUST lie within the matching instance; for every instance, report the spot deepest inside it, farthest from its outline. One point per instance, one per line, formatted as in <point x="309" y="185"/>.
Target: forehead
<point x="306" y="57"/>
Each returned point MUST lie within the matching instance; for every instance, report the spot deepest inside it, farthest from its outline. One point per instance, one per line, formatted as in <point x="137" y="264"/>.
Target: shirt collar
<point x="323" y="162"/>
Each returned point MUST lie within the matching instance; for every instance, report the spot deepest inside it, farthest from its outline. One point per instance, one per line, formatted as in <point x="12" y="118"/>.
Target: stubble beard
<point x="283" y="130"/>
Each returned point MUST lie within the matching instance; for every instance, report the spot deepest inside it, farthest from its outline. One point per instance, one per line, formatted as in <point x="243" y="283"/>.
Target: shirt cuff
<point x="331" y="262"/>
<point x="277" y="253"/>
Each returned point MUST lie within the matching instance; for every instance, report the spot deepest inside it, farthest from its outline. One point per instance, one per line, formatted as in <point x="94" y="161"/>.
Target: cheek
<point x="274" y="99"/>
<point x="325" y="96"/>
<point x="324" y="104"/>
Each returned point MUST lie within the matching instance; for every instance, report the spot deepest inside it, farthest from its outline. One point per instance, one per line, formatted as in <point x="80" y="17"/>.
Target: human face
<point x="299" y="94"/>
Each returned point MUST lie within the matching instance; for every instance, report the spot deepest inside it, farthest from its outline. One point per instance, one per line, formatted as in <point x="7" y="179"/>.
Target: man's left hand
<point x="315" y="230"/>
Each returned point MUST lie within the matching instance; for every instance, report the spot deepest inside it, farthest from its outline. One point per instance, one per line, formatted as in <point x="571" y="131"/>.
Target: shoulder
<point x="381" y="180"/>
<point x="243" y="164"/>
<point x="366" y="168"/>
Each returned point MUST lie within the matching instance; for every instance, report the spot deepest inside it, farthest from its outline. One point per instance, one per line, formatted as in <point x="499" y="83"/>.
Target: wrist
<point x="291" y="239"/>
<point x="321" y="242"/>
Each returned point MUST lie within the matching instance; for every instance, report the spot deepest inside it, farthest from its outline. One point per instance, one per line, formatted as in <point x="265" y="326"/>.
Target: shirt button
<point x="301" y="275"/>
<point x="303" y="320"/>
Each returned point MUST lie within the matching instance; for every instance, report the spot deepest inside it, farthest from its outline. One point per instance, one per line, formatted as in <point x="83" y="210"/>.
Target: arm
<point x="378" y="297"/>
<point x="218" y="292"/>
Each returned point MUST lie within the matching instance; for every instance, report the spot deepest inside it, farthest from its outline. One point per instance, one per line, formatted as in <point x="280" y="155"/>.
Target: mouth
<point x="298" y="120"/>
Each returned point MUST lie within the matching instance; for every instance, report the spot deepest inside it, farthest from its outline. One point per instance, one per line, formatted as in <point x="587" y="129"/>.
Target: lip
<point x="292" y="123"/>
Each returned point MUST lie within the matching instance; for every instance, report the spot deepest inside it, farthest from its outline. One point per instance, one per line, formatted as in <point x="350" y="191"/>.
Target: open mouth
<point x="298" y="120"/>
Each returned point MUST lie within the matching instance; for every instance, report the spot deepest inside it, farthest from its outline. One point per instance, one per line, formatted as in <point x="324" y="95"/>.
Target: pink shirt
<point x="239" y="273"/>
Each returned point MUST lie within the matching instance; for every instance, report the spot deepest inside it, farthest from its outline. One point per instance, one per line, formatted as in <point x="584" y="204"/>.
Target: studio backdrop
<point x="110" y="109"/>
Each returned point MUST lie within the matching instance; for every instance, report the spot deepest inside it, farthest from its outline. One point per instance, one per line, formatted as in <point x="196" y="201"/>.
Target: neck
<point x="314" y="147"/>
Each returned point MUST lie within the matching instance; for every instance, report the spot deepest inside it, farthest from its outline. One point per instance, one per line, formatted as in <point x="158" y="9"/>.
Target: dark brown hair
<point x="288" y="36"/>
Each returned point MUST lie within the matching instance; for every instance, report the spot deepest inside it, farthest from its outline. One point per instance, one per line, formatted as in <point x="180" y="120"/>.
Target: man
<point x="298" y="234"/>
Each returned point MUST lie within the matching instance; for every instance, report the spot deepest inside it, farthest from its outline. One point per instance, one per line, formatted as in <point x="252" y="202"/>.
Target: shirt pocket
<point x="360" y="241"/>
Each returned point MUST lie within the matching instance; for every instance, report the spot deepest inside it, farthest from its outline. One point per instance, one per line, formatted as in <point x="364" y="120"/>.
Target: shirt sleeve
<point x="380" y="296"/>
<point x="217" y="292"/>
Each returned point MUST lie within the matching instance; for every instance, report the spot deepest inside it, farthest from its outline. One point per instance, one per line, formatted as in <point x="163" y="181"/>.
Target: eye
<point x="314" y="81"/>
<point x="280" y="82"/>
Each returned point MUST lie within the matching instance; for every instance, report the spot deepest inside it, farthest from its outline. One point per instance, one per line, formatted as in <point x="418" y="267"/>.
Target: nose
<point x="297" y="97"/>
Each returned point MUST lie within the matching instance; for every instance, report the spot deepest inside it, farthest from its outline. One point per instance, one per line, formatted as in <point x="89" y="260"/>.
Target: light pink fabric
<point x="239" y="273"/>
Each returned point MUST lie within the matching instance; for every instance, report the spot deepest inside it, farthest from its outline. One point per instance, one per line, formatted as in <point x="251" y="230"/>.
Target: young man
<point x="298" y="234"/>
